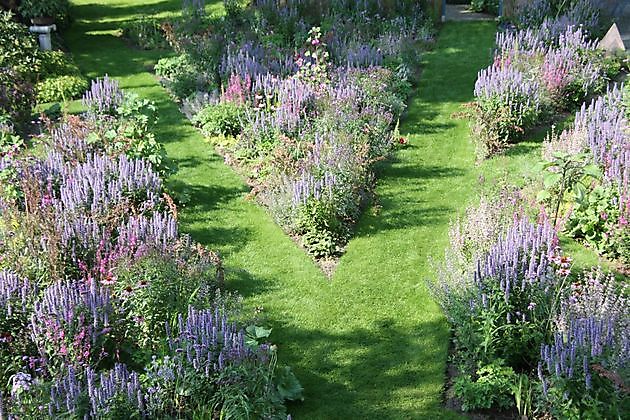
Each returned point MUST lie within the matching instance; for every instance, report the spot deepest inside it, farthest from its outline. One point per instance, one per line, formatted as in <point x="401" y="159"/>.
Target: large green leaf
<point x="551" y="179"/>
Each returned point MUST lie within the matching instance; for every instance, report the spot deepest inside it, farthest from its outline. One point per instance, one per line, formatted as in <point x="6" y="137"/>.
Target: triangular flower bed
<point x="302" y="107"/>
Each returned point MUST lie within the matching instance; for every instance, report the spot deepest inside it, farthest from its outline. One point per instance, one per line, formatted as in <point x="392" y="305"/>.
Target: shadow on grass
<point x="378" y="363"/>
<point x="96" y="12"/>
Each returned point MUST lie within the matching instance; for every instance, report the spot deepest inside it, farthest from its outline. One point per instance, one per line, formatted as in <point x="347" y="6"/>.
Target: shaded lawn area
<point x="370" y="343"/>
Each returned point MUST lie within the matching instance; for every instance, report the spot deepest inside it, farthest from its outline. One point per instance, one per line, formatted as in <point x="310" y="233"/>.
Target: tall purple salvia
<point x="520" y="259"/>
<point x="103" y="97"/>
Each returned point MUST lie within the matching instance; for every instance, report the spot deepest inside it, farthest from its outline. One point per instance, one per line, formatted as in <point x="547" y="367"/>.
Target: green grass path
<point x="369" y="343"/>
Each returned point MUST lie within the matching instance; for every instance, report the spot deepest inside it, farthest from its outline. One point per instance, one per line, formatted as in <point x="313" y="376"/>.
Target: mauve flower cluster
<point x="103" y="96"/>
<point x="206" y="341"/>
<point x="495" y="249"/>
<point x="534" y="73"/>
<point x="103" y="182"/>
<point x="111" y="204"/>
<point x="13" y="290"/>
<point x="68" y="390"/>
<point x="511" y="87"/>
<point x="520" y="259"/>
<point x="68" y="321"/>
<point x="544" y="14"/>
<point x="592" y="332"/>
<point x="605" y="126"/>
<point x="68" y="138"/>
<point x="570" y="355"/>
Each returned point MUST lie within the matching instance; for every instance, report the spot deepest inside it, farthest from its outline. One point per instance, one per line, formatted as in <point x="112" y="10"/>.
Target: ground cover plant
<point x="302" y="104"/>
<point x="106" y="310"/>
<point x="547" y="65"/>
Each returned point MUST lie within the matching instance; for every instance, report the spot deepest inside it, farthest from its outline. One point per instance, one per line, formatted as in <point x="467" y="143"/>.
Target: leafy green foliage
<point x="498" y="123"/>
<point x="492" y="387"/>
<point x="57" y="63"/>
<point x="320" y="228"/>
<point x="132" y="135"/>
<point x="256" y="334"/>
<point x="571" y="399"/>
<point x="170" y="67"/>
<point x="146" y="34"/>
<point x="596" y="218"/>
<point x="567" y="179"/>
<point x="181" y="75"/>
<point x="57" y="9"/>
<point x="219" y="120"/>
<point x="10" y="143"/>
<point x="153" y="289"/>
<point x="15" y="342"/>
<point x="19" y="50"/>
<point x="288" y="386"/>
<point x="60" y="88"/>
<point x="490" y="6"/>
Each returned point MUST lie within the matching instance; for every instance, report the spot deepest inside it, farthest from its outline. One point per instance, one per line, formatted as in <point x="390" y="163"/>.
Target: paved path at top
<point x="462" y="12"/>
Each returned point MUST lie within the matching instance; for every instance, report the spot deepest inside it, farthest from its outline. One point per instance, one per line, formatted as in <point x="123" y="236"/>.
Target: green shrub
<point x="60" y="88"/>
<point x="170" y="67"/>
<point x="133" y="134"/>
<point x="181" y="77"/>
<point x="146" y="34"/>
<point x="219" y="120"/>
<point x="154" y="289"/>
<point x="596" y="218"/>
<point x="57" y="9"/>
<point x="488" y="6"/>
<point x="17" y="97"/>
<point x="18" y="50"/>
<point x="320" y="228"/>
<point x="57" y="63"/>
<point x="9" y="142"/>
<point x="15" y="341"/>
<point x="493" y="387"/>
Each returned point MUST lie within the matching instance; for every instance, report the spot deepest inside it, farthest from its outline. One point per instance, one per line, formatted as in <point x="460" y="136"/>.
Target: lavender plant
<point x="92" y="269"/>
<point x="600" y="213"/>
<point x="536" y="72"/>
<point x="507" y="103"/>
<point x="583" y="369"/>
<point x="298" y="86"/>
<point x="103" y="97"/>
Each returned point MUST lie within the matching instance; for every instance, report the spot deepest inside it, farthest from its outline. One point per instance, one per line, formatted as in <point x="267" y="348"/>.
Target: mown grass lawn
<point x="368" y="343"/>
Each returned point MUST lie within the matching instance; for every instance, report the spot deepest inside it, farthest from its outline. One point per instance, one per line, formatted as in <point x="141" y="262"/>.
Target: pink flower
<point x="315" y="42"/>
<point x="564" y="272"/>
<point x="108" y="280"/>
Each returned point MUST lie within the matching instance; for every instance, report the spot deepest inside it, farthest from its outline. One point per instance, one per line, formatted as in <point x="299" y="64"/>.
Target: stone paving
<point x="462" y="12"/>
